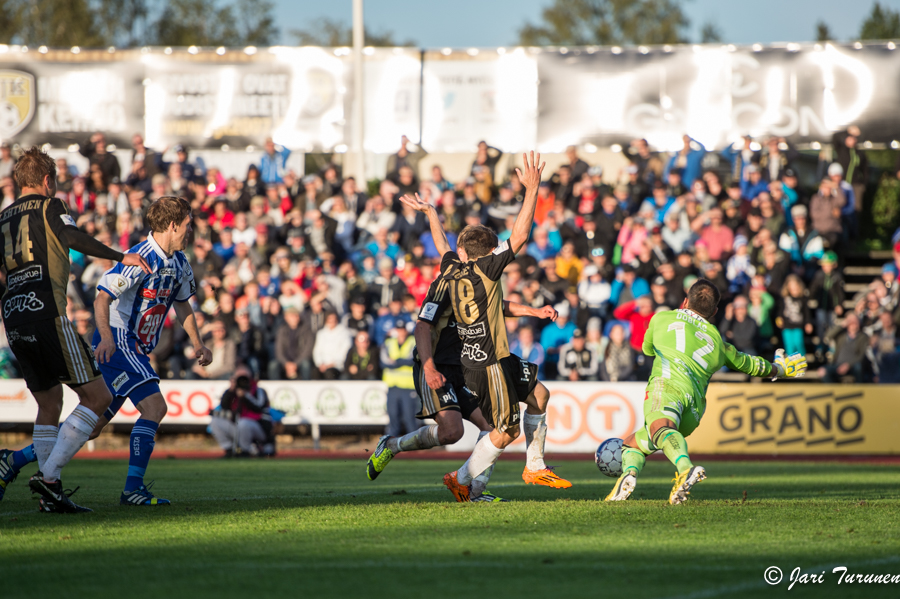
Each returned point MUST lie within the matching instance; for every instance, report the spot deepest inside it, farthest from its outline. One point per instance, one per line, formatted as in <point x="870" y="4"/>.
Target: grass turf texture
<point x="318" y="528"/>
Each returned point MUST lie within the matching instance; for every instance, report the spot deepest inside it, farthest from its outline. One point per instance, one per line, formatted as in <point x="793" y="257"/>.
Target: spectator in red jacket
<point x="637" y="312"/>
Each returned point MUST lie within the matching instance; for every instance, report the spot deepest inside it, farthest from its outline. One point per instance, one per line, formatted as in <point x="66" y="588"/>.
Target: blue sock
<point x="22" y="458"/>
<point x="142" y="442"/>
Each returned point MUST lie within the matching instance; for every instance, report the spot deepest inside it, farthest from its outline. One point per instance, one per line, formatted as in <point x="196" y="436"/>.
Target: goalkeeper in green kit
<point x="688" y="350"/>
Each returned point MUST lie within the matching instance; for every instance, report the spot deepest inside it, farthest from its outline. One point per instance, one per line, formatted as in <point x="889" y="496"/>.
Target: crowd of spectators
<point x="307" y="277"/>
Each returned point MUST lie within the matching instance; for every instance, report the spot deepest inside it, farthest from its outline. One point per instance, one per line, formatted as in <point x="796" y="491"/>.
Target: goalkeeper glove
<point x="788" y="367"/>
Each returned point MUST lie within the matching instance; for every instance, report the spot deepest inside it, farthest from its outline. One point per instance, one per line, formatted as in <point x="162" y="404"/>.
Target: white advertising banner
<point x="189" y="402"/>
<point x="482" y="98"/>
<point x="580" y="416"/>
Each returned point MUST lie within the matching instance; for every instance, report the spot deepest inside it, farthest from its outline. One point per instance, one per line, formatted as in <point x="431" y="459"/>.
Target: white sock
<point x="479" y="483"/>
<point x="535" y="426"/>
<point x="73" y="435"/>
<point x="44" y="439"/>
<point x="424" y="438"/>
<point x="483" y="457"/>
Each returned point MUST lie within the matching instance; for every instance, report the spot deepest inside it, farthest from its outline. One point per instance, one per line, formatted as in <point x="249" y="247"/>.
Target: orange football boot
<point x="545" y="477"/>
<point x="461" y="492"/>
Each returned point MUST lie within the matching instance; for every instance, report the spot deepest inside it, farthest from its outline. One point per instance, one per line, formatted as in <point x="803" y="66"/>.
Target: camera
<point x="242" y="382"/>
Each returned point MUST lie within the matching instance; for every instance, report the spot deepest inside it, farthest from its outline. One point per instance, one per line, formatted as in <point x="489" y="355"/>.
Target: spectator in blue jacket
<point x="524" y="346"/>
<point x="689" y="159"/>
<point x="754" y="184"/>
<point x="393" y="317"/>
<point x="627" y="286"/>
<point x="273" y="164"/>
<point x="542" y="248"/>
<point x="556" y="334"/>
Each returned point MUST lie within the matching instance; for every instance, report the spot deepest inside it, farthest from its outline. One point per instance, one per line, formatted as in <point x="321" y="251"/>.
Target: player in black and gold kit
<point x="438" y="373"/>
<point x="36" y="233"/>
<point x="499" y="379"/>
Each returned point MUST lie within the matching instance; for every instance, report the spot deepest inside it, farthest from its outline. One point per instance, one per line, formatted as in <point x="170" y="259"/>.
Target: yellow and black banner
<point x="798" y="419"/>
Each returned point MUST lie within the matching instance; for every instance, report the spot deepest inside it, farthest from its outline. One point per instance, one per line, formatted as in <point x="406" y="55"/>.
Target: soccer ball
<point x="609" y="458"/>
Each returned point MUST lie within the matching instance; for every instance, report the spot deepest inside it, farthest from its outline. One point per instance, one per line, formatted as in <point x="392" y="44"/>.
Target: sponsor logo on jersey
<point x="164" y="293"/>
<point x="148" y="293"/>
<point x="449" y="397"/>
<point x="501" y="248"/>
<point x="476" y="331"/>
<point x="22" y="303"/>
<point x="14" y="335"/>
<point x="166" y="272"/>
<point x="474" y="352"/>
<point x="120" y="380"/>
<point x="429" y="311"/>
<point x="28" y="275"/>
<point x="67" y="220"/>
<point x="16" y="101"/>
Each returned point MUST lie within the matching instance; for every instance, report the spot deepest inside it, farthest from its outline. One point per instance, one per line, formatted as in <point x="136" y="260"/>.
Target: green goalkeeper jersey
<point x="689" y="350"/>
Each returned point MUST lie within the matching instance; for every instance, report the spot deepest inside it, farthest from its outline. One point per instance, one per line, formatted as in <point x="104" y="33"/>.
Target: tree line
<point x="131" y="23"/>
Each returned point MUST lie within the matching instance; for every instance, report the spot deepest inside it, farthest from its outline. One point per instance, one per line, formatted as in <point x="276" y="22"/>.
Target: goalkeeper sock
<point x="675" y="447"/>
<point x="633" y="459"/>
<point x="424" y="438"/>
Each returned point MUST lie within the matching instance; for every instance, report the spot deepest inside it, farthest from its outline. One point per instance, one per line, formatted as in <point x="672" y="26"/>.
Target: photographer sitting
<point x="243" y="418"/>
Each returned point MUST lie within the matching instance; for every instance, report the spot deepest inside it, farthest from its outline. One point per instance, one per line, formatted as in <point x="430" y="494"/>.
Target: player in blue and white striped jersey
<point x="130" y="309"/>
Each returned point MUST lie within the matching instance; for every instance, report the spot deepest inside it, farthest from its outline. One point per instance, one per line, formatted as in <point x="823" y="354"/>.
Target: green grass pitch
<point x="318" y="528"/>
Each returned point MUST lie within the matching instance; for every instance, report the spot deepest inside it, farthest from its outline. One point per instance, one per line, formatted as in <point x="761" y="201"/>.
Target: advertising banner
<point x="43" y="101"/>
<point x="487" y="97"/>
<point x="802" y="418"/>
<point x="739" y="419"/>
<point x="512" y="98"/>
<point x="716" y="94"/>
<point x="294" y="95"/>
<point x="189" y="402"/>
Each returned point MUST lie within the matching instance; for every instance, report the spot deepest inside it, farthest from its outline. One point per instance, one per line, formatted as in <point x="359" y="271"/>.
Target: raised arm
<point x="531" y="179"/>
<point x="437" y="230"/>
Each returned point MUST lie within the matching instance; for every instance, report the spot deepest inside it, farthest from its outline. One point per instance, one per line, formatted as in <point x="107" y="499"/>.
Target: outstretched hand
<point x="416" y="203"/>
<point x="531" y="177"/>
<point x="136" y="260"/>
<point x="548" y="312"/>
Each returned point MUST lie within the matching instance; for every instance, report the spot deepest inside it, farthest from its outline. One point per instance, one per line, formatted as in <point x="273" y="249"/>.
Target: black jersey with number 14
<point x="477" y="299"/>
<point x="35" y="260"/>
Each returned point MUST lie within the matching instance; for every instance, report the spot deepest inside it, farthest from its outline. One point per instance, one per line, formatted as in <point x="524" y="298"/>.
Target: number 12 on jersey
<point x="681" y="343"/>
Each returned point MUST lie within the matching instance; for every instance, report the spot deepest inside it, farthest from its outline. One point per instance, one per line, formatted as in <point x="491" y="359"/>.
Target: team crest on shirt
<point x="16" y="101"/>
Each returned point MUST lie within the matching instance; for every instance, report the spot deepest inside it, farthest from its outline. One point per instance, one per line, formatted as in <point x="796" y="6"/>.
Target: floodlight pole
<point x="358" y="133"/>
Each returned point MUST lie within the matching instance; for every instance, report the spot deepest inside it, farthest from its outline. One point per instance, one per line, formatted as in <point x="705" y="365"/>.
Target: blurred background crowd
<point x="307" y="276"/>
